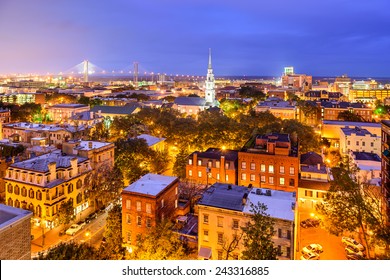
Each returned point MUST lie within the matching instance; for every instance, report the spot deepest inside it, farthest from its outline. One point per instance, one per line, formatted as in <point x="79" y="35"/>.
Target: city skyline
<point x="254" y="39"/>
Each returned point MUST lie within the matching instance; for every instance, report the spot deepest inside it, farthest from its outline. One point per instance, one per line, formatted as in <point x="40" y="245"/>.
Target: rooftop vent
<point x="259" y="192"/>
<point x="268" y="193"/>
<point x="229" y="187"/>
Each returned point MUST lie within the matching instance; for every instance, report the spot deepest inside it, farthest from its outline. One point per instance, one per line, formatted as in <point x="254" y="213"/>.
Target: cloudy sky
<point x="247" y="37"/>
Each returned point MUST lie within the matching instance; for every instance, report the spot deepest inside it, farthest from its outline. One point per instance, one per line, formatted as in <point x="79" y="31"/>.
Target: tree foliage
<point x="161" y="243"/>
<point x="66" y="213"/>
<point x="349" y="117"/>
<point x="258" y="234"/>
<point x="70" y="251"/>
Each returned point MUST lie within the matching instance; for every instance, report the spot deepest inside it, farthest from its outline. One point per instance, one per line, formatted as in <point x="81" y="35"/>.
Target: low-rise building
<point x="41" y="184"/>
<point x="212" y="166"/>
<point x="269" y="161"/>
<point x="224" y="209"/>
<point x="63" y="112"/>
<point x="145" y="202"/>
<point x="116" y="111"/>
<point x="368" y="166"/>
<point x="359" y="140"/>
<point x="278" y="108"/>
<point x="15" y="233"/>
<point x="155" y="143"/>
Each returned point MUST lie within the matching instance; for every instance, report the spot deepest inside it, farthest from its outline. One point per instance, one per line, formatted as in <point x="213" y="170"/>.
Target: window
<point x="372" y="144"/>
<point x="262" y="167"/>
<point x="24" y="192"/>
<point x="175" y="203"/>
<point x="262" y="178"/>
<point x="218" y="177"/>
<point x="209" y="164"/>
<point x="243" y="165"/>
<point x="148" y="222"/>
<point x="235" y="224"/>
<point x="281" y="181"/>
<point x="199" y="162"/>
<point x="253" y="177"/>
<point x="288" y="252"/>
<point x="220" y="238"/>
<point x="280" y="232"/>
<point x="128" y="237"/>
<point x="288" y="234"/>
<point x="128" y="204"/>
<point x="78" y="198"/>
<point x="292" y="183"/>
<point x="39" y="178"/>
<point x="280" y="250"/>
<point x="217" y="164"/>
<point x="243" y="176"/>
<point x="128" y="218"/>
<point x="139" y="221"/>
<point x="70" y="188"/>
<point x="363" y="143"/>
<point x="39" y="195"/>
<point x="281" y="169"/>
<point x="138" y="205"/>
<point x="292" y="170"/>
<point x="253" y="166"/>
<point x="226" y="178"/>
<point x="200" y="174"/>
<point x="206" y="235"/>
<point x="148" y="208"/>
<point x="357" y="143"/>
<point x="308" y="193"/>
<point x="205" y="219"/>
<point x="271" y="168"/>
<point x="190" y="161"/>
<point x="162" y="203"/>
<point x="31" y="193"/>
<point x="190" y="173"/>
<point x="320" y="194"/>
<point x="271" y="180"/>
<point x="219" y="252"/>
<point x="349" y="142"/>
<point x="17" y="190"/>
<point x="220" y="221"/>
<point x="227" y="165"/>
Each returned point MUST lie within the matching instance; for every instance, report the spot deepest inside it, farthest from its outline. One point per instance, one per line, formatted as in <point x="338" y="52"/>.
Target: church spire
<point x="210" y="58"/>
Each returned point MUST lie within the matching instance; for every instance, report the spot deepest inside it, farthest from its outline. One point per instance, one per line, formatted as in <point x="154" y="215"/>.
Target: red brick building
<point x="269" y="161"/>
<point x="145" y="202"/>
<point x="212" y="166"/>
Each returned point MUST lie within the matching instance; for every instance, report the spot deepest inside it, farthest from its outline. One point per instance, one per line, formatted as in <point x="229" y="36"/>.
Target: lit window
<point x="243" y="176"/>
<point x="190" y="173"/>
<point x="292" y="170"/>
<point x="138" y="205"/>
<point x="162" y="203"/>
<point x="271" y="168"/>
<point x="148" y="208"/>
<point x="262" y="167"/>
<point x="262" y="179"/>
<point x="281" y="181"/>
<point x="200" y="174"/>
<point x="271" y="180"/>
<point x="218" y="164"/>
<point x="220" y="221"/>
<point x="253" y="177"/>
<point x="281" y="169"/>
<point x="199" y="162"/>
<point x="190" y="161"/>
<point x="253" y="166"/>
<point x="226" y="178"/>
<point x="243" y="165"/>
<point x="128" y="204"/>
<point x="205" y="219"/>
<point x="218" y="177"/>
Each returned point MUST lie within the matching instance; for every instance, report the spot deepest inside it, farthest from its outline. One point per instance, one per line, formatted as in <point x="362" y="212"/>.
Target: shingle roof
<point x="311" y="158"/>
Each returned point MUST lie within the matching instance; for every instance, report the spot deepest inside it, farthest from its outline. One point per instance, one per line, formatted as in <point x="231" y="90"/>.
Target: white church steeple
<point x="210" y="85"/>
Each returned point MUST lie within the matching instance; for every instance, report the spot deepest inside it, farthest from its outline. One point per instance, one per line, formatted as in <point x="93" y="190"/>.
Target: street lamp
<point x="88" y="236"/>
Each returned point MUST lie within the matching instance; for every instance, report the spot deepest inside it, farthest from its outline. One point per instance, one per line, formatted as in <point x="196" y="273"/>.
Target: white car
<point x="310" y="256"/>
<point x="312" y="248"/>
<point x="353" y="250"/>
<point x="352" y="242"/>
<point x="73" y="229"/>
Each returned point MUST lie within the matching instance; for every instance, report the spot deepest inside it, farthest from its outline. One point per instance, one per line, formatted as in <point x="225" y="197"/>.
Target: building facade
<point x="269" y="161"/>
<point x="151" y="199"/>
<point x="63" y="112"/>
<point x="359" y="140"/>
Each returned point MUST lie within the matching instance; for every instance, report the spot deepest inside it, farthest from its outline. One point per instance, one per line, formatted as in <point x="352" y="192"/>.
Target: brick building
<point x="212" y="166"/>
<point x="269" y="161"/>
<point x="15" y="233"/>
<point x="147" y="201"/>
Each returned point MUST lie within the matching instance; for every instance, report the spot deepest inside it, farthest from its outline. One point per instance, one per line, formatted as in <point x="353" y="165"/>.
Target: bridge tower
<point x="85" y="71"/>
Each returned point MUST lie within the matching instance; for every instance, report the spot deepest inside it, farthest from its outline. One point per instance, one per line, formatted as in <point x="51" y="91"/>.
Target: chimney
<point x="52" y="170"/>
<point x="74" y="168"/>
<point x="244" y="198"/>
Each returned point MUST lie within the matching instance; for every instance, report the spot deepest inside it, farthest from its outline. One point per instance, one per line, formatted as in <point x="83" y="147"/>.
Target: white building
<point x="358" y="139"/>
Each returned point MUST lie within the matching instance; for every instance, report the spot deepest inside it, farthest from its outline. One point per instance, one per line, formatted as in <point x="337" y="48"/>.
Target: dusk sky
<point x="248" y="37"/>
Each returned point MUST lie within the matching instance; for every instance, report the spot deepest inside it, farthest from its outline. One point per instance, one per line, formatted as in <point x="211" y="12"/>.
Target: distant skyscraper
<point x="210" y="85"/>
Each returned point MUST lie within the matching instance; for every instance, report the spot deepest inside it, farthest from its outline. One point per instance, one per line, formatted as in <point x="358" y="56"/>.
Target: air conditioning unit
<point x="268" y="193"/>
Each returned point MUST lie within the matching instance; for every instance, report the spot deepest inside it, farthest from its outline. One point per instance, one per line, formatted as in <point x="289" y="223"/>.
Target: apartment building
<point x="359" y="139"/>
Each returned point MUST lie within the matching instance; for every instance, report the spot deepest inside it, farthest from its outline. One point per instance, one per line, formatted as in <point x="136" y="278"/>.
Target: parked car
<point x="310" y="223"/>
<point x="312" y="248"/>
<point x="310" y="256"/>
<point x="354" y="256"/>
<point x="73" y="229"/>
<point x="353" y="250"/>
<point x="90" y="217"/>
<point x="82" y="224"/>
<point x="350" y="241"/>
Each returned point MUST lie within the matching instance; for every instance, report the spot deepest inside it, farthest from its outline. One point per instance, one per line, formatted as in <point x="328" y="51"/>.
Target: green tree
<point x="66" y="213"/>
<point x="160" y="162"/>
<point x="250" y="92"/>
<point x="350" y="206"/>
<point x="70" y="251"/>
<point x="258" y="234"/>
<point x="179" y="166"/>
<point x="349" y="117"/>
<point x="113" y="249"/>
<point x="161" y="243"/>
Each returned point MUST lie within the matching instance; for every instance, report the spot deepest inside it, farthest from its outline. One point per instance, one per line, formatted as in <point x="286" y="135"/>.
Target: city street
<point x="95" y="230"/>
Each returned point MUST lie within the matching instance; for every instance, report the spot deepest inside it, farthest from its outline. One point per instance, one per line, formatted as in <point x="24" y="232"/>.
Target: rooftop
<point x="190" y="101"/>
<point x="151" y="184"/>
<point x="313" y="185"/>
<point x="314" y="169"/>
<point x="216" y="153"/>
<point x="311" y="158"/>
<point x="355" y="130"/>
<point x="151" y="140"/>
<point x="85" y="145"/>
<point x="10" y="215"/>
<point x="352" y="124"/>
<point x="115" y="110"/>
<point x="40" y="163"/>
<point x="366" y="156"/>
<point x="74" y="106"/>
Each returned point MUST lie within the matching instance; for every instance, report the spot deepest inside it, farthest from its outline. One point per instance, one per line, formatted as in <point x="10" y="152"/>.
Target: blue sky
<point x="248" y="37"/>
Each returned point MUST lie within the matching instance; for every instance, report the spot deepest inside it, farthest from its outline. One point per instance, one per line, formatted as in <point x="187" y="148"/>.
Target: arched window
<point x="17" y="190"/>
<point x="79" y="184"/>
<point x="86" y="179"/>
<point x="31" y="207"/>
<point x="31" y="193"/>
<point x="39" y="195"/>
<point x="70" y="188"/>
<point x="24" y="192"/>
<point x="9" y="189"/>
<point x="79" y="198"/>
<point x="17" y="204"/>
<point x="38" y="211"/>
<point x="10" y="202"/>
<point x="24" y="205"/>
